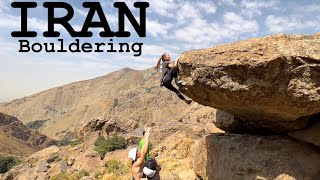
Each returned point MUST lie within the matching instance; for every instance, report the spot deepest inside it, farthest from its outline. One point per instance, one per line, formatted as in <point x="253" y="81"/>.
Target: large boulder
<point x="91" y="130"/>
<point x="236" y="156"/>
<point x="272" y="83"/>
<point x="102" y="126"/>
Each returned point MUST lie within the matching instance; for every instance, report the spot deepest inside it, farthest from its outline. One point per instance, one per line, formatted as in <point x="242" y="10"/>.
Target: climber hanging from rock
<point x="170" y="71"/>
<point x="138" y="158"/>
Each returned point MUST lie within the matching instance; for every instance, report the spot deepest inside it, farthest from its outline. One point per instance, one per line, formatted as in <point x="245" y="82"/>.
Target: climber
<point x="170" y="71"/>
<point x="151" y="169"/>
<point x="138" y="157"/>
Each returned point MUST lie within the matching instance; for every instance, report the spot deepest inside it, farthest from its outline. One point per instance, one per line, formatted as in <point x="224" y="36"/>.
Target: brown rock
<point x="57" y="167"/>
<point x="311" y="134"/>
<point x="70" y="161"/>
<point x="230" y="123"/>
<point x="88" y="161"/>
<point x="101" y="126"/>
<point x="42" y="166"/>
<point x="227" y="121"/>
<point x="63" y="166"/>
<point x="175" y="156"/>
<point x="91" y="130"/>
<point x="212" y="128"/>
<point x="234" y="156"/>
<point x="272" y="82"/>
<point x="45" y="154"/>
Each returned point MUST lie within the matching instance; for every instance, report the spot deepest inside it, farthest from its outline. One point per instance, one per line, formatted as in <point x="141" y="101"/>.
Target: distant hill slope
<point x="130" y="95"/>
<point x="16" y="139"/>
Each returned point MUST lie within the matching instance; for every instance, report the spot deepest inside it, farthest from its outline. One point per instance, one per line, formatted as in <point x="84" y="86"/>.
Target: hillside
<point x="18" y="140"/>
<point x="132" y="96"/>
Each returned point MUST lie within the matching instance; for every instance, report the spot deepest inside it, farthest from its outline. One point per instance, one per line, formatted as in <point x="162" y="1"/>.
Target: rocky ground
<point x="173" y="148"/>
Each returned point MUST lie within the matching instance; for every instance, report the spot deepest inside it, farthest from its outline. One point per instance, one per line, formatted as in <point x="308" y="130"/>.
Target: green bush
<point x="115" y="142"/>
<point x="6" y="163"/>
<point x="99" y="141"/>
<point x="102" y="150"/>
<point x="75" y="142"/>
<point x="110" y="144"/>
<point x="65" y="142"/>
<point x="101" y="146"/>
<point x="35" y="124"/>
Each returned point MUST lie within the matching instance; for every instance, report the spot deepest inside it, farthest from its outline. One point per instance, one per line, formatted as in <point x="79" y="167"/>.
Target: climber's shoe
<point x="181" y="83"/>
<point x="188" y="101"/>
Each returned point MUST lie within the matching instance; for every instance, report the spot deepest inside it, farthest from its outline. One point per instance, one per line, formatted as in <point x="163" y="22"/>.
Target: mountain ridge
<point x="129" y="95"/>
<point x="18" y="140"/>
<point x="7" y="100"/>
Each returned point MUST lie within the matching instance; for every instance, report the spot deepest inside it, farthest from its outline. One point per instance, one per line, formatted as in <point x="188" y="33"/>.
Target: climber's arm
<point x="145" y="146"/>
<point x="175" y="63"/>
<point x="171" y="66"/>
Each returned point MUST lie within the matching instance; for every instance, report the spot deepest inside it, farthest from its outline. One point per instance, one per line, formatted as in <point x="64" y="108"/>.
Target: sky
<point x="173" y="26"/>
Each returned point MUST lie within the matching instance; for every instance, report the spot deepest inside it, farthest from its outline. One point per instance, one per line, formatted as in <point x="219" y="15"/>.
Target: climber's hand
<point x="148" y="131"/>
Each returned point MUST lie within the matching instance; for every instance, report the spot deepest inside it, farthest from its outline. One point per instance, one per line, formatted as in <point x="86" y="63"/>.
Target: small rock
<point x="91" y="153"/>
<point x="42" y="166"/>
<point x="63" y="165"/>
<point x="52" y="158"/>
<point x="70" y="162"/>
<point x="75" y="148"/>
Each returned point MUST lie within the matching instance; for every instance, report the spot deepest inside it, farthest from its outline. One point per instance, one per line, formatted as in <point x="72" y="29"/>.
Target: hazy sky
<point x="173" y="26"/>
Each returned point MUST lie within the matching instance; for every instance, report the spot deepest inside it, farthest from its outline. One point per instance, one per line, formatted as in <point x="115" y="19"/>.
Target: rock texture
<point x="235" y="156"/>
<point x="17" y="139"/>
<point x="91" y="130"/>
<point x="230" y="123"/>
<point x="272" y="83"/>
<point x="311" y="134"/>
<point x="74" y="161"/>
<point x="101" y="126"/>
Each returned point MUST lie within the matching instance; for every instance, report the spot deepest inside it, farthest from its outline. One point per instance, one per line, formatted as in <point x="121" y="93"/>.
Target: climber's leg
<point x="172" y="88"/>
